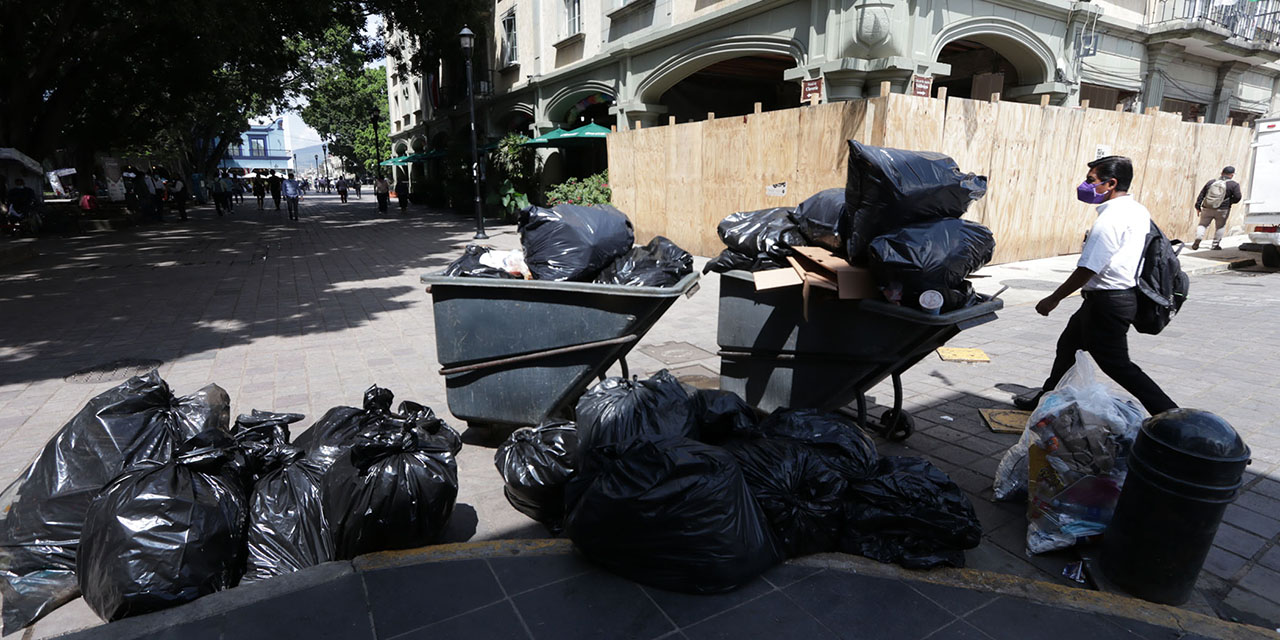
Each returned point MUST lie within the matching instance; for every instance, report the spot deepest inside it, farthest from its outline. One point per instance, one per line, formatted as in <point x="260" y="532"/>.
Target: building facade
<point x="561" y="63"/>
<point x="263" y="147"/>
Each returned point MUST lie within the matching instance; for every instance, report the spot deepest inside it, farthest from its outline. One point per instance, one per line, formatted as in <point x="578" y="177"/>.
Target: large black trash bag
<point x="336" y="430"/>
<point x="45" y="508"/>
<point x="433" y="433"/>
<point x="536" y="463"/>
<point x="166" y="533"/>
<point x="821" y="217"/>
<point x="843" y="445"/>
<point x="616" y="410"/>
<point x="391" y="490"/>
<point x="800" y="495"/>
<point x="756" y="240"/>
<point x="661" y="263"/>
<point x="935" y="256"/>
<point x="569" y="242"/>
<point x="261" y="436"/>
<point x="911" y="514"/>
<point x="287" y="529"/>
<point x="468" y="265"/>
<point x="891" y="188"/>
<point x="671" y="513"/>
<point x="721" y="415"/>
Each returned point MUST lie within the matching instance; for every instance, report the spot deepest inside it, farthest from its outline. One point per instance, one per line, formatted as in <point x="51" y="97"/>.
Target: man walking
<point x="178" y="196"/>
<point x="1214" y="205"/>
<point x="292" y="192"/>
<point x="382" y="190"/>
<point x="1108" y="272"/>
<point x="342" y="188"/>
<point x="273" y="184"/>
<point x="402" y="195"/>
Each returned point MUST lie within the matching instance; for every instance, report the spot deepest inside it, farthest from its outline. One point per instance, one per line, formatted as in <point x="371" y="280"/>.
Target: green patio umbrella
<point x="546" y="139"/>
<point x="590" y="131"/>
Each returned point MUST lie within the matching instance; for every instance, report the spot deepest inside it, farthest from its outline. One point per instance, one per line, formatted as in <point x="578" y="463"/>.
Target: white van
<point x="1263" y="212"/>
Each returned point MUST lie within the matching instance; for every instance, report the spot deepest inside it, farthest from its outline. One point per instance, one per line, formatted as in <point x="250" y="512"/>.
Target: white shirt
<point x="1113" y="249"/>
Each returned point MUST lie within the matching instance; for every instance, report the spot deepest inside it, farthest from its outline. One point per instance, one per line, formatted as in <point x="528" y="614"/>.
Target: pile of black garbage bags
<point x="572" y="243"/>
<point x="144" y="500"/>
<point x="898" y="215"/>
<point x="691" y="491"/>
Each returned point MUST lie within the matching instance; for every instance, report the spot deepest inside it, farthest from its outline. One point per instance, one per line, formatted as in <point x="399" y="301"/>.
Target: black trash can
<point x="1185" y="468"/>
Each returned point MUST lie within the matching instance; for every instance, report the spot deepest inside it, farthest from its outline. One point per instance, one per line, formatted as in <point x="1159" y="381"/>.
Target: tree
<point x="349" y="108"/>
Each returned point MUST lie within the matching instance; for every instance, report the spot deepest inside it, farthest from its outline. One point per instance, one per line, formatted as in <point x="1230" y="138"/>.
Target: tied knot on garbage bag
<point x="1071" y="460"/>
<point x="335" y="432"/>
<point x="165" y="533"/>
<point x="45" y="508"/>
<point x="616" y="410"/>
<point x="535" y="464"/>
<point x="263" y="437"/>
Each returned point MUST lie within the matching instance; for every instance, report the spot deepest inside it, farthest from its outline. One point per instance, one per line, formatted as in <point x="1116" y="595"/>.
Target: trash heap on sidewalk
<point x="144" y="501"/>
<point x="572" y="243"/>
<point x="1072" y="459"/>
<point x="691" y="491"/>
<point x="894" y="232"/>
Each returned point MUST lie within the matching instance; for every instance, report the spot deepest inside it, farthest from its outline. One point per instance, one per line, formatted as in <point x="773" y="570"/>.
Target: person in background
<point x="21" y="202"/>
<point x="273" y="183"/>
<point x="342" y="188"/>
<point x="382" y="190"/>
<point x="402" y="195"/>
<point x="178" y="196"/>
<point x="292" y="193"/>
<point x="237" y="188"/>
<point x="1214" y="205"/>
<point x="1108" y="272"/>
<point x="259" y="189"/>
<point x="355" y="184"/>
<point x="220" y="193"/>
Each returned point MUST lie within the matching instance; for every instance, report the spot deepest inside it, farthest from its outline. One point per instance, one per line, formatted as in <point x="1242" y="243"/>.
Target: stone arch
<point x="1033" y="59"/>
<point x="400" y="148"/>
<point x="563" y="100"/>
<point x="419" y="143"/>
<point x="700" y="56"/>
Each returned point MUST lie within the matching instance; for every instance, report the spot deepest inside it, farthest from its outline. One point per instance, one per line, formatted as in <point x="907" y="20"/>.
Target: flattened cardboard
<point x="777" y="279"/>
<point x="852" y="283"/>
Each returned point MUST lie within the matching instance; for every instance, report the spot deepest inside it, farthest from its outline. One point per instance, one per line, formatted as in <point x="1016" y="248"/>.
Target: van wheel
<point x="1270" y="256"/>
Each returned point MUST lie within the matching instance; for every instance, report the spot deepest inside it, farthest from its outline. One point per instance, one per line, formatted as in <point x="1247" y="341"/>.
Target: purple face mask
<point x="1087" y="195"/>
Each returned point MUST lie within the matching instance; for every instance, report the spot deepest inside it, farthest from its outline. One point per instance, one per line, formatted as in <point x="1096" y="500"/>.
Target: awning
<point x="591" y="131"/>
<point x="546" y="138"/>
<point x="395" y="161"/>
<point x="583" y="135"/>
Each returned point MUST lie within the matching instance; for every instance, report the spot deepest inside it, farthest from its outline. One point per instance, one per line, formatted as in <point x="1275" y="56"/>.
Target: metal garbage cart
<point x="772" y="357"/>
<point x="518" y="352"/>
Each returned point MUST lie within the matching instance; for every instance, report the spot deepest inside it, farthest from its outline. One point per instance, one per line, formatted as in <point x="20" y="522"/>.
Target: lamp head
<point x="467" y="39"/>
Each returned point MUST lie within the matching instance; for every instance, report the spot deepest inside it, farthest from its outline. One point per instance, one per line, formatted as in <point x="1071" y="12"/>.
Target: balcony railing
<point x="1253" y="21"/>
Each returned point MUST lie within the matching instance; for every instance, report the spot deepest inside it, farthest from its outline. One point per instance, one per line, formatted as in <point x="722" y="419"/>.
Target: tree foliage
<point x="349" y="108"/>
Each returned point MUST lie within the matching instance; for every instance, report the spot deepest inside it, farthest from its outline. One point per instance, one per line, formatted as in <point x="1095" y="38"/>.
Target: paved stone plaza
<point x="304" y="316"/>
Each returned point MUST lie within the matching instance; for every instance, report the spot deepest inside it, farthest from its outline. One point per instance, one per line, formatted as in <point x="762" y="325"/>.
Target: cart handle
<point x="627" y="339"/>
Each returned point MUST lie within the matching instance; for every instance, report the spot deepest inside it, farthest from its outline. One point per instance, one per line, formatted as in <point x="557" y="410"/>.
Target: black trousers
<point x="1101" y="328"/>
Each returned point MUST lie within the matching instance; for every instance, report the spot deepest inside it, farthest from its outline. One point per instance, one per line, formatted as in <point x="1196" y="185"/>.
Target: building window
<point x="258" y="147"/>
<point x="1189" y="110"/>
<point x="509" y="47"/>
<point x="1106" y="98"/>
<point x="572" y="17"/>
<point x="237" y="149"/>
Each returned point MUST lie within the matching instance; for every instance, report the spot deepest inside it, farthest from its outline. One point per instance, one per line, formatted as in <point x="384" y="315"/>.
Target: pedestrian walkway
<point x="302" y="316"/>
<point x="545" y="591"/>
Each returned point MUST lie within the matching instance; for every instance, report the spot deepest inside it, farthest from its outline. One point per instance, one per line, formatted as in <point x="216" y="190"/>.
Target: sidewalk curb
<point x="1033" y="590"/>
<point x="1221" y="267"/>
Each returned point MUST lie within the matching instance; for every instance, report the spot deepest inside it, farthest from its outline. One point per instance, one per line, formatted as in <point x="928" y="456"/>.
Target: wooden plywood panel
<point x="1240" y="155"/>
<point x="1211" y="152"/>
<point x="727" y="184"/>
<point x="912" y="122"/>
<point x="822" y="148"/>
<point x="1164" y="176"/>
<point x="968" y="136"/>
<point x="651" y="184"/>
<point x="688" y="223"/>
<point x="772" y="156"/>
<point x="1010" y="209"/>
<point x="1055" y="207"/>
<point x="622" y="175"/>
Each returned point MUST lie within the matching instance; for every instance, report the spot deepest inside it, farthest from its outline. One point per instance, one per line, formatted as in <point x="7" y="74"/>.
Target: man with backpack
<point x="1108" y="272"/>
<point x="1214" y="205"/>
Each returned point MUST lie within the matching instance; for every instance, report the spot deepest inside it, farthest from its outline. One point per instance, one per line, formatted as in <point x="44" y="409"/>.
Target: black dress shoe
<point x="1028" y="401"/>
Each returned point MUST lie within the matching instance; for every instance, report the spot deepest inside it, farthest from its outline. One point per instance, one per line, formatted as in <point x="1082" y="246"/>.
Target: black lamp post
<point x="324" y="149"/>
<point x="468" y="40"/>
<point x="377" y="142"/>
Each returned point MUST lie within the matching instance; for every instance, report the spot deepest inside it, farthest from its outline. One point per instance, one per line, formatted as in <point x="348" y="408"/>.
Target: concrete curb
<point x="1033" y="590"/>
<point x="1220" y="267"/>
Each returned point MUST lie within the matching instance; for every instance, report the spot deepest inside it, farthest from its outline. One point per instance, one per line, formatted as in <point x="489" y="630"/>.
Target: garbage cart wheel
<point x="896" y="425"/>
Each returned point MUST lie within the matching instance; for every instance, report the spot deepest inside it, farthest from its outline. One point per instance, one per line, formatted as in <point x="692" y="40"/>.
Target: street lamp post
<point x="324" y="149"/>
<point x="467" y="39"/>
<point x="377" y="142"/>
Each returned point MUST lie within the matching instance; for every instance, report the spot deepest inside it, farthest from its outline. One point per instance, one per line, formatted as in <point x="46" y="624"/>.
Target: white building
<point x="560" y="63"/>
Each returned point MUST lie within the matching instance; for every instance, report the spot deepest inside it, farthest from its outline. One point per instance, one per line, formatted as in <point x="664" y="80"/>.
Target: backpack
<point x="1162" y="284"/>
<point x="1216" y="195"/>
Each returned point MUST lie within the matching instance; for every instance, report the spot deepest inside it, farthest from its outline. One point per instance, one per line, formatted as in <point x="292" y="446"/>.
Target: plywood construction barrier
<point x="680" y="180"/>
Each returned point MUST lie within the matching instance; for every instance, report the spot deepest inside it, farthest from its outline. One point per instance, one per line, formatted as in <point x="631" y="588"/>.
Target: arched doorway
<point x="732" y="87"/>
<point x="991" y="55"/>
<point x="571" y="108"/>
<point x="977" y="71"/>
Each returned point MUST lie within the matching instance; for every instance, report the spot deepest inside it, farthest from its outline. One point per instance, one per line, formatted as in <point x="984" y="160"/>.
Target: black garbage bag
<point x="909" y="513"/>
<point x="934" y="256"/>
<point x="892" y="188"/>
<point x="536" y="463"/>
<point x="721" y="414"/>
<point x="661" y="263"/>
<point x="468" y="265"/>
<point x="261" y="436"/>
<point x="336" y="431"/>
<point x="756" y="240"/>
<point x="801" y="496"/>
<point x="166" y="533"/>
<point x="287" y="529"/>
<point x="616" y="410"/>
<point x="390" y="490"/>
<point x="671" y="513"/>
<point x="839" y="441"/>
<point x="433" y="433"/>
<point x="821" y="217"/>
<point x="569" y="242"/>
<point x="44" y="509"/>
